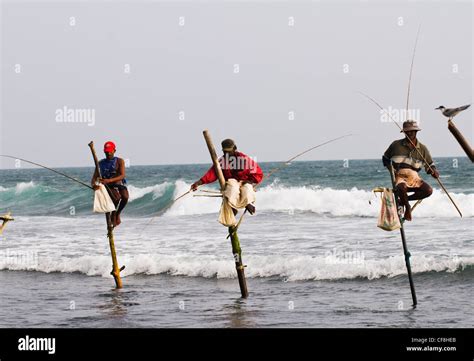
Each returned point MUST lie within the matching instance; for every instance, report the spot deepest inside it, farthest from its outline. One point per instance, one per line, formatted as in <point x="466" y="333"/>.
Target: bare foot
<point x="250" y="208"/>
<point x="117" y="220"/>
<point x="112" y="218"/>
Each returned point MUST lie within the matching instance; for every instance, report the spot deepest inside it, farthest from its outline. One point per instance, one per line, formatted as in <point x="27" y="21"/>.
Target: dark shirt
<point x="403" y="155"/>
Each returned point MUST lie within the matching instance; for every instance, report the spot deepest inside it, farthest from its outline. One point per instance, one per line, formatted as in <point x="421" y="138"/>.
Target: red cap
<point x="109" y="147"/>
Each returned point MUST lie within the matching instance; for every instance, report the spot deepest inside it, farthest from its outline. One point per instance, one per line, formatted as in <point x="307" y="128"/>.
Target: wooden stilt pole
<point x="110" y="231"/>
<point x="461" y="140"/>
<point x="236" y="250"/>
<point x="5" y="218"/>
<point x="239" y="266"/>
<point x="115" y="268"/>
<point x="404" y="243"/>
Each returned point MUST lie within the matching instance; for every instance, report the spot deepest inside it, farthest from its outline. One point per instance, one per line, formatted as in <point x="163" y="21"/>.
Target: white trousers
<point x="236" y="196"/>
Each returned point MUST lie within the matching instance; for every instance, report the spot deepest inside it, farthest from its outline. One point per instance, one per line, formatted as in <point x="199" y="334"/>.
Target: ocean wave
<point x="288" y="268"/>
<point x="20" y="187"/>
<point x="29" y="198"/>
<point x="336" y="202"/>
<point x="156" y="190"/>
<point x="355" y="202"/>
<point x="23" y="186"/>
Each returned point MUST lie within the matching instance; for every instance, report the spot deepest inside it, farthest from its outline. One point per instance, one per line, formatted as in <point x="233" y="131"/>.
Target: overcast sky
<point x="277" y="77"/>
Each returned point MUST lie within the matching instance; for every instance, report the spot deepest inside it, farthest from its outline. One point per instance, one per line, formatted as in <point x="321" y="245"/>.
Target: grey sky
<point x="190" y="68"/>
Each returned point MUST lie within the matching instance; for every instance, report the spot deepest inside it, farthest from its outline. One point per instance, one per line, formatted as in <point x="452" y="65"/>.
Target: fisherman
<point x="404" y="155"/>
<point x="242" y="174"/>
<point x="112" y="170"/>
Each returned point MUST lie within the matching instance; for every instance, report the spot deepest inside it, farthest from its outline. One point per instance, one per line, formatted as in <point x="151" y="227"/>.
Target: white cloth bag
<point x="102" y="201"/>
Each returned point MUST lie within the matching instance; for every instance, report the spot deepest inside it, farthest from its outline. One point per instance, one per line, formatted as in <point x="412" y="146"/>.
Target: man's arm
<point x="209" y="177"/>
<point x="253" y="170"/>
<point x="387" y="156"/>
<point x="94" y="180"/>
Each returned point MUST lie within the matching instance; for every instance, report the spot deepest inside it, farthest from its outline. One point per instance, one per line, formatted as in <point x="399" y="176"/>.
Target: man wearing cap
<point x="408" y="156"/>
<point x="112" y="170"/>
<point x="241" y="173"/>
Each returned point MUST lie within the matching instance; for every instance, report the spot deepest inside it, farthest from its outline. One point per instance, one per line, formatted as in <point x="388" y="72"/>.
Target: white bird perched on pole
<point x="452" y="112"/>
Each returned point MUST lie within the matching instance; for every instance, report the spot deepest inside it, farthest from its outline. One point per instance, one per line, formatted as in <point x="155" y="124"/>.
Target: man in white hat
<point x="408" y="156"/>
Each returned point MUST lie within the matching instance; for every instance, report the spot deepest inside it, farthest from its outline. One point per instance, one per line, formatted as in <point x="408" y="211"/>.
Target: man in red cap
<point x="241" y="173"/>
<point x="112" y="170"/>
<point x="408" y="156"/>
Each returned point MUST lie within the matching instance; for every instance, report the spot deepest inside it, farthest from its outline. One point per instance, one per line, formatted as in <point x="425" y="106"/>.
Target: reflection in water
<point x="239" y="315"/>
<point x="117" y="303"/>
<point x="410" y="317"/>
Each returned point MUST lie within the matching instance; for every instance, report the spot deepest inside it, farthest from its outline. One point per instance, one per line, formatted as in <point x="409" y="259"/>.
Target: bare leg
<point x="422" y="192"/>
<point x="402" y="190"/>
<point x="112" y="218"/>
<point x="250" y="208"/>
<point x="123" y="202"/>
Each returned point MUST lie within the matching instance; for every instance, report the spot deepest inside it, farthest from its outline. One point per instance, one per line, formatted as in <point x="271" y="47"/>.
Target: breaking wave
<point x="337" y="202"/>
<point x="289" y="268"/>
<point x="30" y="198"/>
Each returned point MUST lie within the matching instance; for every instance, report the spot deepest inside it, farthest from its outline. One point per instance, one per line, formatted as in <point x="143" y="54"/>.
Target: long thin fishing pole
<point x="169" y="204"/>
<point x="414" y="146"/>
<point x="208" y="195"/>
<point x="268" y="175"/>
<point x="392" y="175"/>
<point x="409" y="88"/>
<point x="411" y="70"/>
<point x="286" y="164"/>
<point x="51" y="169"/>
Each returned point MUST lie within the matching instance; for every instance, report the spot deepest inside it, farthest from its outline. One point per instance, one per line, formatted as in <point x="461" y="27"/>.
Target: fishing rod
<point x="287" y="163"/>
<point x="409" y="88"/>
<point x="418" y="151"/>
<point x="267" y="176"/>
<point x="411" y="69"/>
<point x="169" y="204"/>
<point x="406" y="253"/>
<point x="408" y="100"/>
<point x="208" y="196"/>
<point x="52" y="170"/>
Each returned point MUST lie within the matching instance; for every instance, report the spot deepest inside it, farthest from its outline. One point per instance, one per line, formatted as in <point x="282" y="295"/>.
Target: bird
<point x="452" y="112"/>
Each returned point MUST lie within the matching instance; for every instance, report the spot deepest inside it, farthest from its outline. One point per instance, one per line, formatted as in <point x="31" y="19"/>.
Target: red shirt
<point x="240" y="167"/>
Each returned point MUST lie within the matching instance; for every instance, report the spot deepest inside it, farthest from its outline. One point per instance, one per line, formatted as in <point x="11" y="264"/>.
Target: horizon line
<point x="270" y="161"/>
